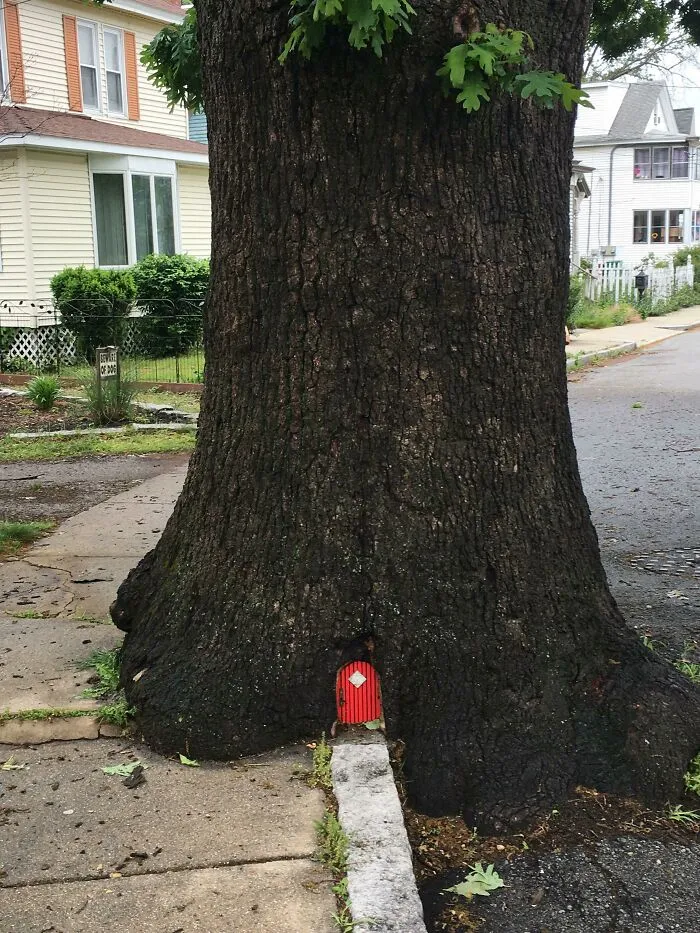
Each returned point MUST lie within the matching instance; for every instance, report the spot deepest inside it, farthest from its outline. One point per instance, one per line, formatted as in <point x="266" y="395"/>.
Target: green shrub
<point x="170" y="290"/>
<point x="17" y="364"/>
<point x="576" y="299"/>
<point x="43" y="391"/>
<point x="680" y="258"/>
<point x="93" y="304"/>
<point x="113" y="403"/>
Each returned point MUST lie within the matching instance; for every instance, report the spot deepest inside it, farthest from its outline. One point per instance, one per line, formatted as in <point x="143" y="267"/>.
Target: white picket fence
<point x="617" y="282"/>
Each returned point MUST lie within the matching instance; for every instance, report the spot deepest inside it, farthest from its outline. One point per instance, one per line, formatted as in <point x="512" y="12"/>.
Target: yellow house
<point x="95" y="169"/>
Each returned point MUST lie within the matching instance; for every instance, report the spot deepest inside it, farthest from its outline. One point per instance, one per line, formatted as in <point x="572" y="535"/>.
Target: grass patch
<point x="13" y="535"/>
<point x="596" y="317"/>
<point x="182" y="401"/>
<point x="41" y="715"/>
<point x="105" y="663"/>
<point x="690" y="669"/>
<point x="118" y="712"/>
<point x="96" y="445"/>
<point x="692" y="776"/>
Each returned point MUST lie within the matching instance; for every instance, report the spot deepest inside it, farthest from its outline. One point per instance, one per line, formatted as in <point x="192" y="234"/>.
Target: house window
<point x="110" y="72"/>
<point x="661" y="162"/>
<point x="661" y="167"/>
<point x="659" y="226"/>
<point x="679" y="162"/>
<point x="695" y="233"/>
<point x="89" y="65"/>
<point x="642" y="163"/>
<point x="676" y="223"/>
<point x="110" y="220"/>
<point x="641" y="227"/>
<point x="129" y="227"/>
<point x="114" y="69"/>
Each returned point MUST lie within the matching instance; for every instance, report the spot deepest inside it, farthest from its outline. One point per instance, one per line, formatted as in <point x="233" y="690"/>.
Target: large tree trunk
<point x="385" y="445"/>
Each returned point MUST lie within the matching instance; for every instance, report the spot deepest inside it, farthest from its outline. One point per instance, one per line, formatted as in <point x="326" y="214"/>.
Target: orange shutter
<point x="70" y="41"/>
<point x="18" y="93"/>
<point x="132" y="79"/>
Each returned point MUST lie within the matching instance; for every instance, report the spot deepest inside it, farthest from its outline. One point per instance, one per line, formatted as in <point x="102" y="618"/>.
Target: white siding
<point x="195" y="210"/>
<point x="606" y="100"/>
<point x="61" y="215"/>
<point x="41" y="22"/>
<point x="13" y="274"/>
<point x="628" y="195"/>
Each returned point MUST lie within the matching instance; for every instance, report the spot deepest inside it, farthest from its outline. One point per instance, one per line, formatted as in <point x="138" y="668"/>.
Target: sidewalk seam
<point x="230" y="863"/>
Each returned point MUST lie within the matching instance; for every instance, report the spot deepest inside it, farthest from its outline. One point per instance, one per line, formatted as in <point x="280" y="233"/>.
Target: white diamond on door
<point x="357" y="679"/>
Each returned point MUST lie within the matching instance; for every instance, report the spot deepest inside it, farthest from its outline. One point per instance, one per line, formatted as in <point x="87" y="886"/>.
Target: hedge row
<point x="94" y="303"/>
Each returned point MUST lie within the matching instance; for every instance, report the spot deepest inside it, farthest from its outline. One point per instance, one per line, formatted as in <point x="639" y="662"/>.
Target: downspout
<point x="610" y="185"/>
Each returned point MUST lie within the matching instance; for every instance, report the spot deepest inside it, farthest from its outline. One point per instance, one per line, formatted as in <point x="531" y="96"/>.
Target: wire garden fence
<point x="160" y="342"/>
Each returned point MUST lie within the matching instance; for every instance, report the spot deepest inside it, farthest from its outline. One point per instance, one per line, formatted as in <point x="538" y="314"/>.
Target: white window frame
<point x="119" y="33"/>
<point x="94" y="28"/>
<point x="687" y="214"/>
<point x="126" y="166"/>
<point x="652" y="148"/>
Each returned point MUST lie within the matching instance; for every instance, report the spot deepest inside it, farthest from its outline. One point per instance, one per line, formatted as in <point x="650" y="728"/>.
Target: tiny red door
<point x="357" y="693"/>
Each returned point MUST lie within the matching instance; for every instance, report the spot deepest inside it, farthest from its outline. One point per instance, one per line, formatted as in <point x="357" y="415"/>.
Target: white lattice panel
<point x="42" y="345"/>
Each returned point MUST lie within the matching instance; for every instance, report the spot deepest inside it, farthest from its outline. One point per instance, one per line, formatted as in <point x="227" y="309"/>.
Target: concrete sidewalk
<point x="630" y="337"/>
<point x="220" y="848"/>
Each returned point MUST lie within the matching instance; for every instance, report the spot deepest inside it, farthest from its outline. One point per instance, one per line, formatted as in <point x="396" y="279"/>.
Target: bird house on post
<point x="357" y="693"/>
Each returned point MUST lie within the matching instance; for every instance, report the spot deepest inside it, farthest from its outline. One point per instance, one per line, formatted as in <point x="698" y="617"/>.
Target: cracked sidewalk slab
<point x="39" y="670"/>
<point x="273" y="897"/>
<point x="66" y="821"/>
<point x="76" y="570"/>
<point x="38" y="661"/>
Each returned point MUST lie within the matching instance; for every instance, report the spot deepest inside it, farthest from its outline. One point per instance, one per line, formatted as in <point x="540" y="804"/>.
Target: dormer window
<point x="657" y="162"/>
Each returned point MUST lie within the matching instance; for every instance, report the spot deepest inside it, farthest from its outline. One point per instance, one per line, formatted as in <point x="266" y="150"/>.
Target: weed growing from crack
<point x="321" y="775"/>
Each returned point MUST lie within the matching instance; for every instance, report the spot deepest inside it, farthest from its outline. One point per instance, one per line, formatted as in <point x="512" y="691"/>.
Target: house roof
<point x="21" y="122"/>
<point x="685" y="120"/>
<point x="635" y="110"/>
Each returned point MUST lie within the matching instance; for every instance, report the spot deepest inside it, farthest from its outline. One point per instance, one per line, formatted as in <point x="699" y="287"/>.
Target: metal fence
<point x="617" y="281"/>
<point x="160" y="342"/>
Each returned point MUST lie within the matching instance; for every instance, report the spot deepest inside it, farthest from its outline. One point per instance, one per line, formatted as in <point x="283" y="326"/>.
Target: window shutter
<point x="70" y="41"/>
<point x="132" y="80"/>
<point x="18" y="93"/>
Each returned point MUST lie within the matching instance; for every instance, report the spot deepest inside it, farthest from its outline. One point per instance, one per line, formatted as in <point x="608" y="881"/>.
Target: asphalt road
<point x="637" y="429"/>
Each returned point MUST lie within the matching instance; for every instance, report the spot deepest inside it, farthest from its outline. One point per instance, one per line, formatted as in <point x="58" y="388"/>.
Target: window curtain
<point x="110" y="220"/>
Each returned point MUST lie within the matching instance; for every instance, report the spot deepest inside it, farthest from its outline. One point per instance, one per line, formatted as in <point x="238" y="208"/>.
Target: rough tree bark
<point x="385" y="444"/>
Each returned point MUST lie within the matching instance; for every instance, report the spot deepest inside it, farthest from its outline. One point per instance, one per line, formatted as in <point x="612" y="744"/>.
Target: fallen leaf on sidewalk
<point x="124" y="770"/>
<point x="12" y="765"/>
<point x="190" y="762"/>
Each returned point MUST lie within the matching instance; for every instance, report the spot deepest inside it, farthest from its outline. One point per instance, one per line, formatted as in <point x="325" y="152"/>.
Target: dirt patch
<point x="445" y="848"/>
<point x="17" y="413"/>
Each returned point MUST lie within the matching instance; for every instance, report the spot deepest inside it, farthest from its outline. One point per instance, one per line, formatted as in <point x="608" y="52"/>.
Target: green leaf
<point x="480" y="881"/>
<point x="473" y="92"/>
<point x="190" y="762"/>
<point x="124" y="770"/>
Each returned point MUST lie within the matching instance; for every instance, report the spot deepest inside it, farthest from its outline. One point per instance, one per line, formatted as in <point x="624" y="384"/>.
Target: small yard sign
<point x="107" y="362"/>
<point x="357" y="693"/>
